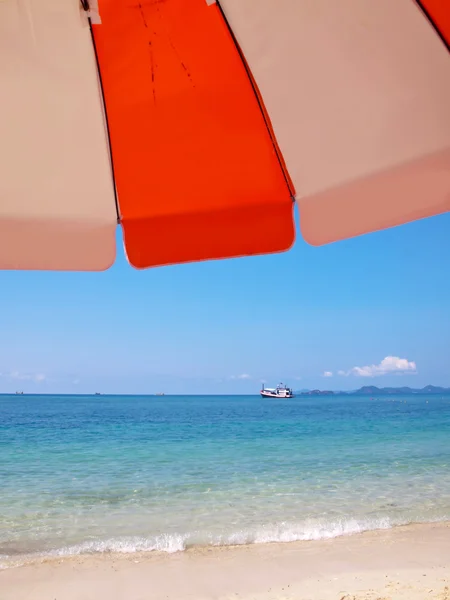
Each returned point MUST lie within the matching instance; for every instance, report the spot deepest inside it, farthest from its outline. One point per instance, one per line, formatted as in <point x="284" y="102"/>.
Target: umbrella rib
<point x="259" y="99"/>
<point x="86" y="7"/>
<point x="433" y="24"/>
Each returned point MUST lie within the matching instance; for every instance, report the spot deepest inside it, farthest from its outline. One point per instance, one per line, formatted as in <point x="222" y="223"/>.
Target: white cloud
<point x="327" y="374"/>
<point x="18" y="375"/>
<point x="389" y="365"/>
<point x="241" y="377"/>
<point x="23" y="376"/>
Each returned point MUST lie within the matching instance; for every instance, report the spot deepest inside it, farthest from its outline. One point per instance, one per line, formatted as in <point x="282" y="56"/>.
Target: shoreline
<point x="19" y="559"/>
<point x="409" y="561"/>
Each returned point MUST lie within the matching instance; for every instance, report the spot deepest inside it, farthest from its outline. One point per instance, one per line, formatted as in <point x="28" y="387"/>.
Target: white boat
<point x="281" y="391"/>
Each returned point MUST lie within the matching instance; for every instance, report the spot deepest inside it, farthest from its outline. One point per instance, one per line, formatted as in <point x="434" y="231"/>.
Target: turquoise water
<point x="95" y="474"/>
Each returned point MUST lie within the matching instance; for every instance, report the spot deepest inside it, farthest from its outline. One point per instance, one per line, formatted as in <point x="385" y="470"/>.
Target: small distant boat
<point x="281" y="391"/>
<point x="159" y="394"/>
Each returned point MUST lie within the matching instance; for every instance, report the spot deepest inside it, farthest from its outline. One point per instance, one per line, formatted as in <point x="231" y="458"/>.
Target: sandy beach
<point x="411" y="562"/>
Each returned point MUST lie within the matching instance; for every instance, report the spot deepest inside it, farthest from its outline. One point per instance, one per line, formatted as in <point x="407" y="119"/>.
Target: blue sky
<point x="224" y="326"/>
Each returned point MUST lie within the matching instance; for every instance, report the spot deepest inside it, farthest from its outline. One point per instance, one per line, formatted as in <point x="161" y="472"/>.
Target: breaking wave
<point x="312" y="530"/>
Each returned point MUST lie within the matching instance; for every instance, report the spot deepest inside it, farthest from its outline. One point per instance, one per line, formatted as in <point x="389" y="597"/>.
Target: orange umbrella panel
<point x="197" y="172"/>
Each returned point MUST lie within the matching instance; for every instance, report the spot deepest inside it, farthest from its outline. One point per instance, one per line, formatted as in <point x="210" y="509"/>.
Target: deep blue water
<point x="85" y="474"/>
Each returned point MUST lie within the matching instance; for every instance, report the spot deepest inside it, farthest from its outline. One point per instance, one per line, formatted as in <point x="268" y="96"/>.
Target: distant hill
<point x="372" y="390"/>
<point x="317" y="393"/>
<point x="387" y="391"/>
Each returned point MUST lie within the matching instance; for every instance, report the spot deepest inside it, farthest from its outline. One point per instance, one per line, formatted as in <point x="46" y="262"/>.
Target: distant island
<point x="372" y="390"/>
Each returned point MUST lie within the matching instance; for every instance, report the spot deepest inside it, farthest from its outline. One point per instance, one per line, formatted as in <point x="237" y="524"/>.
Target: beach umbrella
<point x="196" y="125"/>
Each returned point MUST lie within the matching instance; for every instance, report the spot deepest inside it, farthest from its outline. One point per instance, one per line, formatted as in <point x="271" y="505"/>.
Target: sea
<point x="96" y="474"/>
